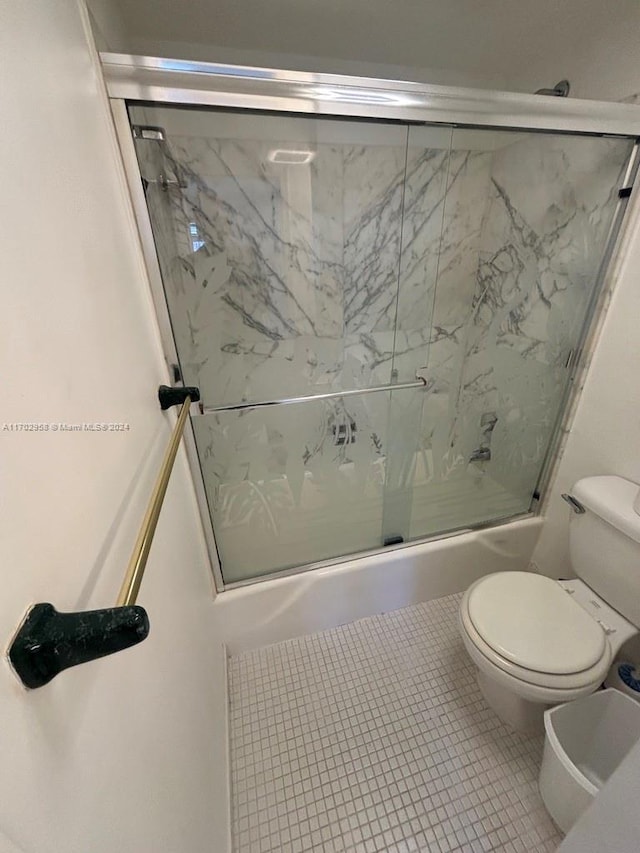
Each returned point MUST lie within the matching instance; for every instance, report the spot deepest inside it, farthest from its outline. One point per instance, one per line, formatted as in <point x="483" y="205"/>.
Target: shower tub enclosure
<point x="382" y="291"/>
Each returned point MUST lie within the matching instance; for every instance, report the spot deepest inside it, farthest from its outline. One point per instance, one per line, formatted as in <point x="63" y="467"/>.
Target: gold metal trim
<point x="138" y="561"/>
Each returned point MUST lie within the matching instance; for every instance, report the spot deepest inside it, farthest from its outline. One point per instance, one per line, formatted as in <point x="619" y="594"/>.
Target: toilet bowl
<point x="539" y="642"/>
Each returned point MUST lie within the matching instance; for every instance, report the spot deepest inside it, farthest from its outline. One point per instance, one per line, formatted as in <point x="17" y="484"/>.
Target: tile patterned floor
<point x="374" y="737"/>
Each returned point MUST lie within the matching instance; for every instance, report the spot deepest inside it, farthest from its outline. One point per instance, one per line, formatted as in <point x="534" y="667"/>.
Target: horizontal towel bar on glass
<point x="419" y="382"/>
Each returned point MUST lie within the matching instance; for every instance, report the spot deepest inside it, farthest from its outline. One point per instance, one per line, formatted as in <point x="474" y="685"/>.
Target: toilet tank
<point x="604" y="542"/>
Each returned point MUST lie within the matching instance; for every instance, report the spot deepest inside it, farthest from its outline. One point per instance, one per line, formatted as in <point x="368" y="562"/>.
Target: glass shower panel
<point x="292" y="485"/>
<point x="526" y="220"/>
<point x="288" y="243"/>
<point x="304" y="256"/>
<point x="428" y="163"/>
<point x="279" y="240"/>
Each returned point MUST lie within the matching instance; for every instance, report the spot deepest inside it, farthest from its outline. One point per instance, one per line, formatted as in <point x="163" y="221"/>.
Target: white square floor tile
<point x="374" y="737"/>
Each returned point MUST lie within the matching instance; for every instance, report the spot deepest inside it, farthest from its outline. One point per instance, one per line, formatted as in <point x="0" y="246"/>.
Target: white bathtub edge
<point x="253" y="616"/>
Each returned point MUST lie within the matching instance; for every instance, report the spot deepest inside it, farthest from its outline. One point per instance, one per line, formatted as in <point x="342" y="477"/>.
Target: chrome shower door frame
<point x="159" y="80"/>
<point x="171" y="81"/>
<point x="143" y="224"/>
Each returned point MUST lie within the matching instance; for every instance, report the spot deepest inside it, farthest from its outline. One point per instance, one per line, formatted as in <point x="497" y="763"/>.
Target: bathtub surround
<point x="301" y="256"/>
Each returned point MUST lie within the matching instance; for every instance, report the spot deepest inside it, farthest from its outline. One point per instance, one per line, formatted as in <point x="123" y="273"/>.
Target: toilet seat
<point x="544" y="644"/>
<point x="530" y="620"/>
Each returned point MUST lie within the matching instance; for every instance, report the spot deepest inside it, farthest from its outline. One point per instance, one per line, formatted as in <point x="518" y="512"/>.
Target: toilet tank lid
<point x="611" y="498"/>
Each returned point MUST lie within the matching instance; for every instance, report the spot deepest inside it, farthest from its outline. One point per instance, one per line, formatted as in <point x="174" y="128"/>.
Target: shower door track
<point x="159" y="80"/>
<point x="384" y="549"/>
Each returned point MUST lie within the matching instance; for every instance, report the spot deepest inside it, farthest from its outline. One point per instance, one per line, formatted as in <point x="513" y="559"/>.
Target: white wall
<point x="109" y="31"/>
<point x="118" y="754"/>
<point x="505" y="44"/>
<point x="598" y="52"/>
<point x="604" y="435"/>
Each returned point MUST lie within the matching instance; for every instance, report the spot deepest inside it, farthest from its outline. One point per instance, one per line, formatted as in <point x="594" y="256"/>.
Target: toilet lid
<point x="532" y="621"/>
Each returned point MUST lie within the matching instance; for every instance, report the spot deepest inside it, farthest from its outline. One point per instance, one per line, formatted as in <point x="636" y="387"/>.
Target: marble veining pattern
<point x="470" y="254"/>
<point x="542" y="238"/>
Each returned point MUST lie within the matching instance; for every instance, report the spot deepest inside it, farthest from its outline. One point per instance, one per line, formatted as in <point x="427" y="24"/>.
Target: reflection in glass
<point x="303" y="255"/>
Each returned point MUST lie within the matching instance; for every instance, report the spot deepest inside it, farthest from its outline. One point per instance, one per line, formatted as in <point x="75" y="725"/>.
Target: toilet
<point x="538" y="642"/>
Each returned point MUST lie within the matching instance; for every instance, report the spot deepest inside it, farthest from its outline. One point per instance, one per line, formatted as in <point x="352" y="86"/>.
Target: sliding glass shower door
<point x="303" y="257"/>
<point x="280" y="243"/>
<point x="526" y="222"/>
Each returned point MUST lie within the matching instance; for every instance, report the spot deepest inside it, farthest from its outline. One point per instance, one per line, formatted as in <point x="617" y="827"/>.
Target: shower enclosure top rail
<point x="163" y="80"/>
<point x="419" y="382"/>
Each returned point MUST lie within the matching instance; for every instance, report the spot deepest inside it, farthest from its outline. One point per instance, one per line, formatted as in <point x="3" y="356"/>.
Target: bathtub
<point x="285" y="607"/>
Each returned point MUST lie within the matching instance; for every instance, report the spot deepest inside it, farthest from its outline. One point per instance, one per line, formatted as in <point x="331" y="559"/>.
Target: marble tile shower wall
<point x="469" y="253"/>
<point x="300" y="265"/>
<point x="546" y="216"/>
